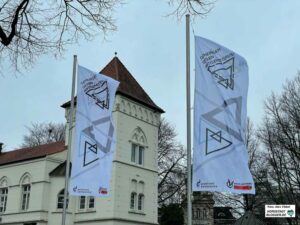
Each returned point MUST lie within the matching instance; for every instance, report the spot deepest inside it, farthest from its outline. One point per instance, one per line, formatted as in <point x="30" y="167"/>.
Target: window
<point x="141" y="155"/>
<point x="86" y="202"/>
<point x="137" y="196"/>
<point x="25" y="196"/>
<point x="138" y="145"/>
<point x="141" y="202"/>
<point x="82" y="202"/>
<point x="204" y="213"/>
<point x="137" y="154"/>
<point x="197" y="213"/>
<point x="221" y="214"/>
<point x="132" y="200"/>
<point x="91" y="202"/>
<point x="3" y="199"/>
<point x="133" y="149"/>
<point x="60" y="199"/>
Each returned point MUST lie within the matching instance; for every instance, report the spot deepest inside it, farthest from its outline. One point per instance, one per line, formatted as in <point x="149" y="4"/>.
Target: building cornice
<point x="115" y="219"/>
<point x="136" y="110"/>
<point x="23" y="212"/>
<point x="134" y="165"/>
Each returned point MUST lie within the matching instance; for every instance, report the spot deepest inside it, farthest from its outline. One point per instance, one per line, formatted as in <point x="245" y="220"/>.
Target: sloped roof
<point x="31" y="153"/>
<point x="128" y="87"/>
<point x="60" y="170"/>
<point x="248" y="219"/>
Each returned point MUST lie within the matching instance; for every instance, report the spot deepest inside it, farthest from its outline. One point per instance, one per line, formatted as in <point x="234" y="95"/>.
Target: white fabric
<point x="94" y="134"/>
<point x="220" y="158"/>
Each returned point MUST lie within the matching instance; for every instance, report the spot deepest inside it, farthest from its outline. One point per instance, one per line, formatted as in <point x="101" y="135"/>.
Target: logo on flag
<point x="220" y="114"/>
<point x="90" y="153"/>
<point x="215" y="142"/>
<point x="224" y="73"/>
<point x="103" y="191"/>
<point x="97" y="91"/>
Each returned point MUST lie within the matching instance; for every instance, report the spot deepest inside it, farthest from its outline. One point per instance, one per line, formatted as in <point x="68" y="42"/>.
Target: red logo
<point x="103" y="191"/>
<point x="242" y="187"/>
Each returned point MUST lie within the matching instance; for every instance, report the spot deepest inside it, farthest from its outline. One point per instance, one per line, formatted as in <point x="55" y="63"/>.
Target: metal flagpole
<point x="188" y="115"/>
<point x="69" y="140"/>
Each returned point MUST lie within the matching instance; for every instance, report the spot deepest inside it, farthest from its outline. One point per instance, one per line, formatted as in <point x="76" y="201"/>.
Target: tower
<point x="133" y="192"/>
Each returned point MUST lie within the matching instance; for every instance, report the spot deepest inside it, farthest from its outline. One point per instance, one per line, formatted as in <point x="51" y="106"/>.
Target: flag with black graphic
<point x="220" y="158"/>
<point x="94" y="134"/>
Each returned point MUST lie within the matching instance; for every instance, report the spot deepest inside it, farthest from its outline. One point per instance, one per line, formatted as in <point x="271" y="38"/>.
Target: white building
<point x="32" y="179"/>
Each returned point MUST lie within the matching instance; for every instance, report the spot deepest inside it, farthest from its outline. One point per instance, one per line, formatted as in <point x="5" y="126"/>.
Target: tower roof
<point x="128" y="87"/>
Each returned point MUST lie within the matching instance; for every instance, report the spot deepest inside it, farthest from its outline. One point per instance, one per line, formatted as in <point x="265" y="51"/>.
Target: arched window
<point x="141" y="202"/>
<point x="3" y="194"/>
<point x="138" y="144"/>
<point x="137" y="196"/>
<point x="60" y="199"/>
<point x="25" y="191"/>
<point x="133" y="200"/>
<point x="221" y="214"/>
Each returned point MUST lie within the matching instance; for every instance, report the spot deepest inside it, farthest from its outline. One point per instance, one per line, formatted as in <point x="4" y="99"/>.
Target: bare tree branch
<point x="171" y="169"/>
<point x="31" y="28"/>
<point x="43" y="133"/>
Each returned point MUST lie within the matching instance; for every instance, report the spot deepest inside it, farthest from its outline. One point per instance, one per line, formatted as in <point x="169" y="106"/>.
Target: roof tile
<point x="31" y="153"/>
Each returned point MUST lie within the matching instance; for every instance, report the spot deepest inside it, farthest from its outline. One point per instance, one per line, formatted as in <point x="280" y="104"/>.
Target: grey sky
<point x="152" y="47"/>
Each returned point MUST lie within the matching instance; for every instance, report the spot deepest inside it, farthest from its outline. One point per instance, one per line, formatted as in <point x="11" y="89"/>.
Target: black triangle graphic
<point x="88" y="147"/>
<point x="218" y="69"/>
<point x="223" y="82"/>
<point x="217" y="136"/>
<point x="217" y="139"/>
<point x="211" y="117"/>
<point x="100" y="95"/>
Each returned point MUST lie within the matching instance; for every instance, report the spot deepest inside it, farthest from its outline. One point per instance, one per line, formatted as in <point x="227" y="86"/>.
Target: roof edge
<point x="157" y="108"/>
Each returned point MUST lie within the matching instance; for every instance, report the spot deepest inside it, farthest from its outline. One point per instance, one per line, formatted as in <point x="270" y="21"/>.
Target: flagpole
<point x="188" y="115"/>
<point x="69" y="140"/>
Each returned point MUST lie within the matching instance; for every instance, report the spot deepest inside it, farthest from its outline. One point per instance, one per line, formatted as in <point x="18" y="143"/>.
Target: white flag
<point x="220" y="159"/>
<point x="94" y="134"/>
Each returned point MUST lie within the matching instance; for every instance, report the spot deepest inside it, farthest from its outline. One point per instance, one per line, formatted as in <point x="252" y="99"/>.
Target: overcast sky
<point x="152" y="47"/>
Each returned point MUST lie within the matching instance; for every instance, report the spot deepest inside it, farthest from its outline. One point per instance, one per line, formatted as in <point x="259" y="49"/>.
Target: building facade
<point x="32" y="180"/>
<point x="205" y="213"/>
<point x="202" y="209"/>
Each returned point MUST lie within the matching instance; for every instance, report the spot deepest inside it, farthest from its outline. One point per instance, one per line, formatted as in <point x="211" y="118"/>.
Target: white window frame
<point x="89" y="200"/>
<point x="85" y="202"/>
<point x="25" y="196"/>
<point x="60" y="200"/>
<point x="141" y="199"/>
<point x="137" y="154"/>
<point x="82" y="202"/>
<point x="133" y="198"/>
<point x="3" y="199"/>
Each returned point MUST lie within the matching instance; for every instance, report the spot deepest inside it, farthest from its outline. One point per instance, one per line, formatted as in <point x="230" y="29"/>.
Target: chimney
<point x="1" y="145"/>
